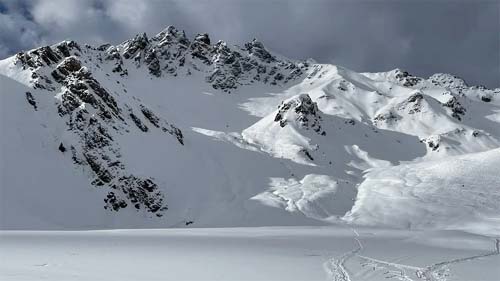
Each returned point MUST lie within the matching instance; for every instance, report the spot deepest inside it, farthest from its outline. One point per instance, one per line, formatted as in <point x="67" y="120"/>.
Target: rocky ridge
<point x="94" y="115"/>
<point x="137" y="121"/>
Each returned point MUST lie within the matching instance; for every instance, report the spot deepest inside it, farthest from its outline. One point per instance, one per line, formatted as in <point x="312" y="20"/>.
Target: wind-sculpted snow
<point x="299" y="131"/>
<point x="451" y="192"/>
<point x="316" y="196"/>
<point x="172" y="130"/>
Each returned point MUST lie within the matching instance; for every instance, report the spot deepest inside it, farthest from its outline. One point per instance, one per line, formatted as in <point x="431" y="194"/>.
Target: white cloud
<point x="130" y="13"/>
<point x="16" y="33"/>
<point x="58" y="12"/>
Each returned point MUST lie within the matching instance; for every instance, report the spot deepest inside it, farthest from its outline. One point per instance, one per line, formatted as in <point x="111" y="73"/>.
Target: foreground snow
<point x="268" y="253"/>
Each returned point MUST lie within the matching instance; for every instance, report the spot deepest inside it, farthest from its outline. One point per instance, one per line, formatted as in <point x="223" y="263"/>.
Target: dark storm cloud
<point x="423" y="37"/>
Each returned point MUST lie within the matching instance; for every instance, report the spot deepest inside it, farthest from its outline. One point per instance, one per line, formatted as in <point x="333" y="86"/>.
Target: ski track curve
<point x="439" y="271"/>
<point x="337" y="270"/>
<point x="336" y="266"/>
<point x="393" y="270"/>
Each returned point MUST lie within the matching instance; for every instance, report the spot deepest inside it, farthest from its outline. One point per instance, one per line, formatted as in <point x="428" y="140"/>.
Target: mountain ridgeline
<point x="171" y="131"/>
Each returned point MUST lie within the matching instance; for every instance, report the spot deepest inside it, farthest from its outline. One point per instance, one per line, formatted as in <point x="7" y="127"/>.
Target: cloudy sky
<point x="424" y="37"/>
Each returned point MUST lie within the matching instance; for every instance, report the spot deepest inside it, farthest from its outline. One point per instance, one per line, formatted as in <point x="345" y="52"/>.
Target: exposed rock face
<point x="39" y="57"/>
<point x="202" y="38"/>
<point x="112" y="54"/>
<point x="457" y="110"/>
<point x="457" y="87"/>
<point x="96" y="148"/>
<point x="343" y="85"/>
<point x="486" y="98"/>
<point x="387" y="117"/>
<point x="301" y="110"/>
<point x="131" y="47"/>
<point x="432" y="142"/>
<point x="162" y="124"/>
<point x="406" y="79"/>
<point x="46" y="57"/>
<point x="31" y="100"/>
<point x="171" y="53"/>
<point x="102" y="111"/>
<point x="447" y="80"/>
<point x="94" y="116"/>
<point x="256" y="48"/>
<point x="413" y="103"/>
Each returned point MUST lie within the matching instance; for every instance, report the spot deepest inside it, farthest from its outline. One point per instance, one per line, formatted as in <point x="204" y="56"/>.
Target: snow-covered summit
<point x="172" y="53"/>
<point x="302" y="111"/>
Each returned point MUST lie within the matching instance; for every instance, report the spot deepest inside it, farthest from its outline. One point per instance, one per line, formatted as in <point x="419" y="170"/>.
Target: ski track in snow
<point x="393" y="270"/>
<point x="337" y="270"/>
<point x="336" y="267"/>
<point x="439" y="271"/>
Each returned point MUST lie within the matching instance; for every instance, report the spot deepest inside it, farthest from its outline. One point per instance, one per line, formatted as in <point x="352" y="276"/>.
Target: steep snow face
<point x="170" y="131"/>
<point x="299" y="131"/>
<point x="425" y="194"/>
<point x="36" y="180"/>
<point x="105" y="112"/>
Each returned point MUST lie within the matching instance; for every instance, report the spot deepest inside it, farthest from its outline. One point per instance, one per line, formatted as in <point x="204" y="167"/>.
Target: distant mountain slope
<point x="171" y="131"/>
<point x="455" y="191"/>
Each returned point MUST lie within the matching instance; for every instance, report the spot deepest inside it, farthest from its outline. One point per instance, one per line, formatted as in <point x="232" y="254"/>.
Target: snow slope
<point x="38" y="185"/>
<point x="424" y="194"/>
<point x="269" y="253"/>
<point x="171" y="131"/>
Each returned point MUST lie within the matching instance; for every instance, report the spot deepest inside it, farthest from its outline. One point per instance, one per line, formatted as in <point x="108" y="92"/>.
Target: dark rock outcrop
<point x="301" y="110"/>
<point x="457" y="110"/>
<point x="406" y="79"/>
<point x="31" y="100"/>
<point x="95" y="118"/>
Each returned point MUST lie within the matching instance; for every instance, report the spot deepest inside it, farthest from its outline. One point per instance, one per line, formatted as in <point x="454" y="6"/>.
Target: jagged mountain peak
<point x="132" y="126"/>
<point x="170" y="31"/>
<point x="302" y="111"/>
<point x="171" y="53"/>
<point x="405" y="78"/>
<point x="447" y="80"/>
<point x="203" y="37"/>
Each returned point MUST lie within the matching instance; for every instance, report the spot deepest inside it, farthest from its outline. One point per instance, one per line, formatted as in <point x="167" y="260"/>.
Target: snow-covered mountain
<point x="171" y="131"/>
